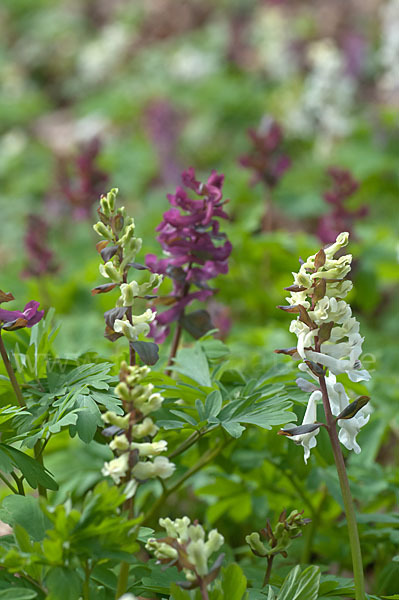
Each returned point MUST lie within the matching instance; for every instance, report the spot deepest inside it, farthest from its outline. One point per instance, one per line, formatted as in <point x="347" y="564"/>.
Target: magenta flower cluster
<point x="340" y="218"/>
<point x="196" y="250"/>
<point x="266" y="159"/>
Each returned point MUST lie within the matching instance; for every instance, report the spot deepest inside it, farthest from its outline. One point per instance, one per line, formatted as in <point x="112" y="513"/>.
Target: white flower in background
<point x="327" y="97"/>
<point x="102" y="55"/>
<point x="192" y="543"/>
<point x="389" y="50"/>
<point x="271" y="35"/>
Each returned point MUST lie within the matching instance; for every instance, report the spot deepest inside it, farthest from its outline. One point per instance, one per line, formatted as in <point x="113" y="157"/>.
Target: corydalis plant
<point x="266" y="158"/>
<point x="267" y="161"/>
<point x="40" y="256"/>
<point x="340" y="218"/>
<point x="81" y="181"/>
<point x="138" y="456"/>
<point x="186" y="548"/>
<point x="196" y="251"/>
<point x="118" y="252"/>
<point x="277" y="540"/>
<point x="329" y="344"/>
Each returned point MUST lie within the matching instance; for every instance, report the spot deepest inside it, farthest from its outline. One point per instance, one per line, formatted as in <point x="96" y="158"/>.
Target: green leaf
<point x="178" y="594"/>
<point x="301" y="586"/>
<point x="308" y="585"/>
<point x="33" y="472"/>
<point x="193" y="363"/>
<point x="88" y="419"/>
<point x="25" y="511"/>
<point x="17" y="593"/>
<point x="290" y="583"/>
<point x="234" y="582"/>
<point x="213" y="404"/>
<point x="63" y="584"/>
<point x="264" y="409"/>
<point x="233" y="429"/>
<point x="68" y="419"/>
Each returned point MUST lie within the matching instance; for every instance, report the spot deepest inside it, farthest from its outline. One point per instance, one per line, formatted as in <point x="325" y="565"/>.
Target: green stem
<point x="86" y="583"/>
<point x="346" y="495"/>
<point x="204" y="460"/>
<point x="20" y="485"/>
<point x="186" y="444"/>
<point x="39" y="458"/>
<point x="11" y="374"/>
<point x="8" y="484"/>
<point x="122" y="580"/>
<point x="268" y="570"/>
<point x="203" y="589"/>
<point x="175" y="345"/>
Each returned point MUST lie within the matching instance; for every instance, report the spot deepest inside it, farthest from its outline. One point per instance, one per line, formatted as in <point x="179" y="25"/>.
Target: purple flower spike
<point x="41" y="258"/>
<point x="339" y="218"/>
<point x="266" y="159"/>
<point x="29" y="316"/>
<point x="81" y="182"/>
<point x="196" y="249"/>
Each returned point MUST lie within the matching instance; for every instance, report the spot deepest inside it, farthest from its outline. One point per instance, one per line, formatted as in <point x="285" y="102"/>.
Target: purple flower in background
<point x="163" y="126"/>
<point x="41" y="258"/>
<point x="26" y="318"/>
<point x="266" y="158"/>
<point x="339" y="218"/>
<point x="196" y="250"/>
<point x="82" y="182"/>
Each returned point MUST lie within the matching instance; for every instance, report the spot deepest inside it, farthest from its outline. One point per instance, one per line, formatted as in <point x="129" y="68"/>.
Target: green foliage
<point x="216" y="69"/>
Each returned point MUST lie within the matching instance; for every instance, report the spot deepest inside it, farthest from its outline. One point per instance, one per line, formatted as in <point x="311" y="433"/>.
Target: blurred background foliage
<point x="97" y="94"/>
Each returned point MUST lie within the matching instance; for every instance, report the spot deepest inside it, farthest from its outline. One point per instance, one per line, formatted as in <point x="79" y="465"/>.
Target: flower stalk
<point x="346" y="495"/>
<point x="329" y="344"/>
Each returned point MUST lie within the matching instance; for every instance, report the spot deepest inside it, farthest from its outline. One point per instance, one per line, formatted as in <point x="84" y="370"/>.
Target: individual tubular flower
<point x="118" y="251"/>
<point x="306" y="439"/>
<point x="328" y="341"/>
<point x="16" y="319"/>
<point x="349" y="428"/>
<point x="137" y="459"/>
<point x="187" y="548"/>
<point x="196" y="251"/>
<point x="340" y="218"/>
<point x="40" y="257"/>
<point x="266" y="159"/>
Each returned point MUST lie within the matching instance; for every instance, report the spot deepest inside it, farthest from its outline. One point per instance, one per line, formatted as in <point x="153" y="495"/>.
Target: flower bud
<point x="120" y="443"/>
<point x="109" y="271"/>
<point x="114" y="419"/>
<point x="197" y="556"/>
<point x="123" y="391"/>
<point x="144" y="429"/>
<point x="254" y="542"/>
<point x="150" y="449"/>
<point x="103" y="230"/>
